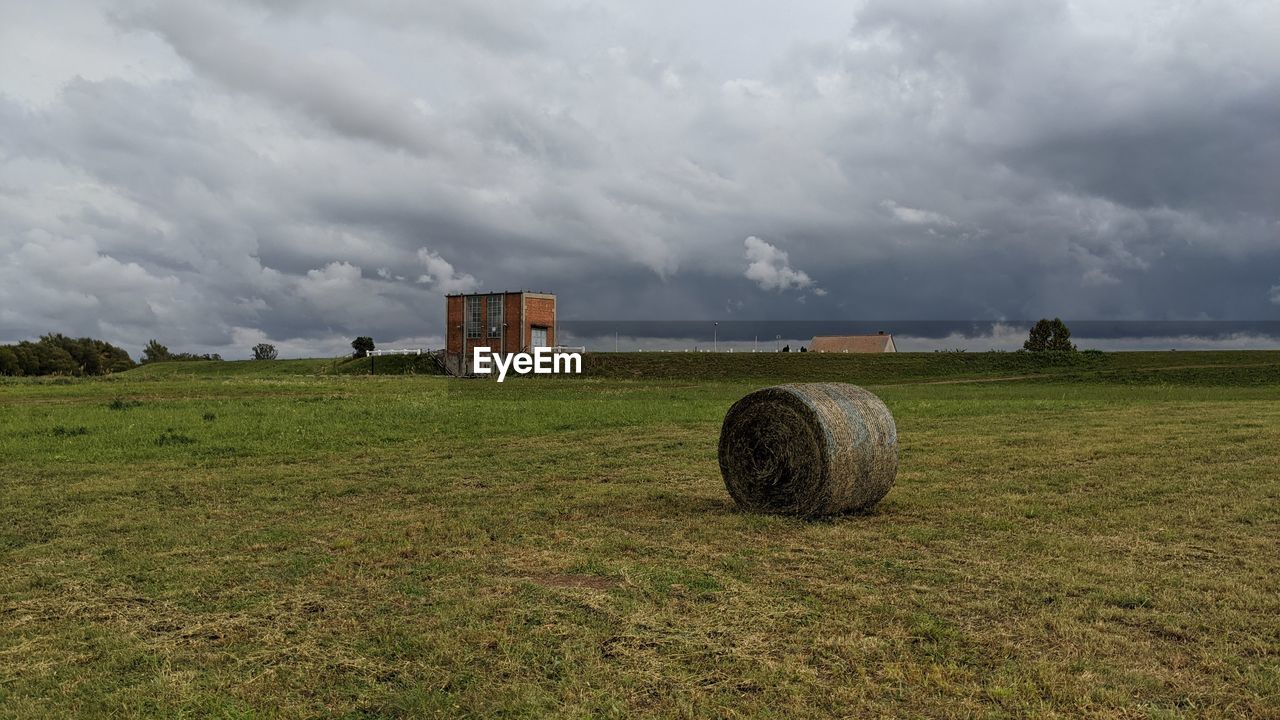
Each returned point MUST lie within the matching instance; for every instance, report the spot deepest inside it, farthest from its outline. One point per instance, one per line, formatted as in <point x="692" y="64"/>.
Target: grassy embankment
<point x="263" y="539"/>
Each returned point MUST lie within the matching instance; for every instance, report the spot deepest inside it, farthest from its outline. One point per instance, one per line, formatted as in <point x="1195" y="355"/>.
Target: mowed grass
<point x="239" y="542"/>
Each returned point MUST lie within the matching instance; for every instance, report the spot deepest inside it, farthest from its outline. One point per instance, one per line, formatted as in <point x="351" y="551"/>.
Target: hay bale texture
<point x="808" y="450"/>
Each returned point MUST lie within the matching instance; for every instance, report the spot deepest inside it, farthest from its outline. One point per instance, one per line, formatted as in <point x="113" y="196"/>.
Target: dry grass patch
<point x="547" y="548"/>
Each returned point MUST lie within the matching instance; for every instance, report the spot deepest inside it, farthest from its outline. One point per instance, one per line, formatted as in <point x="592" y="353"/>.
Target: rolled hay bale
<point x="808" y="450"/>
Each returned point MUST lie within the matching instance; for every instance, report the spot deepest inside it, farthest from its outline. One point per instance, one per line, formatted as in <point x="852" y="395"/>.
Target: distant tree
<point x="92" y="357"/>
<point x="28" y="362"/>
<point x="9" y="362"/>
<point x="786" y="348"/>
<point x="155" y="352"/>
<point x="804" y="349"/>
<point x="1049" y="336"/>
<point x="83" y="358"/>
<point x="55" y="361"/>
<point x="363" y="345"/>
<point x="264" y="351"/>
<point x="115" y="359"/>
<point x="57" y="354"/>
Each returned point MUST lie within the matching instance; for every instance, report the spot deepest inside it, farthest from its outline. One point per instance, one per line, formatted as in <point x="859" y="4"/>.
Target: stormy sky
<point x="214" y="174"/>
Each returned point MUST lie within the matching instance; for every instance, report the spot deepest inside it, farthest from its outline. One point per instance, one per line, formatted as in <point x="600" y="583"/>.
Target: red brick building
<point x="505" y="322"/>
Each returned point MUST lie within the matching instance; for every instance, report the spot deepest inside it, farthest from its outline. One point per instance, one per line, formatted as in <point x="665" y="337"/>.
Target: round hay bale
<point x="808" y="450"/>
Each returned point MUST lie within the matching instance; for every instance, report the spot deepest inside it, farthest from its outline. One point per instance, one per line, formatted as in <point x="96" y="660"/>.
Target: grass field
<point x="1089" y="537"/>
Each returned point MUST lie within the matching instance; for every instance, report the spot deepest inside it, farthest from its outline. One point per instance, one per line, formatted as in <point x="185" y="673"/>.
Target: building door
<point x="539" y="337"/>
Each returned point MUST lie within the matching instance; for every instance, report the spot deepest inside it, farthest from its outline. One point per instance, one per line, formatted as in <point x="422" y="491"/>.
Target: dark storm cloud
<point x="216" y="174"/>
<point x="334" y="88"/>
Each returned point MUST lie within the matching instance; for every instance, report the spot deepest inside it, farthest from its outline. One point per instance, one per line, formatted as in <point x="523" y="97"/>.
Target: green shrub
<point x="1049" y="336"/>
<point x="9" y="362"/>
<point x="173" y="437"/>
<point x="62" y="431"/>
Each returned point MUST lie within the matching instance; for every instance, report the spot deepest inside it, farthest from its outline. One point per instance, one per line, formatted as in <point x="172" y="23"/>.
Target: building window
<point x="474" y="320"/>
<point x="495" y="315"/>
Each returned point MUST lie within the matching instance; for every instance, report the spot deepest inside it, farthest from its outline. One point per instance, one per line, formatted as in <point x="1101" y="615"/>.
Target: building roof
<point x="501" y="292"/>
<point x="852" y="343"/>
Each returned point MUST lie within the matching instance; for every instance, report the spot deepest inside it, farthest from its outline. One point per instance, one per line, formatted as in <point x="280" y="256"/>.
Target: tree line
<point x="154" y="352"/>
<point x="57" y="354"/>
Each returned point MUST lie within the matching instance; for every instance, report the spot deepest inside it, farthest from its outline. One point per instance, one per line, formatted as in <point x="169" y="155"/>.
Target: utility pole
<point x="715" y="337"/>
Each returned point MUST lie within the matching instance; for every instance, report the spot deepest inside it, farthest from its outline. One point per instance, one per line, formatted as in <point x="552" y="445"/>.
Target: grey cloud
<point x="923" y="160"/>
<point x="489" y="24"/>
<point x="330" y="86"/>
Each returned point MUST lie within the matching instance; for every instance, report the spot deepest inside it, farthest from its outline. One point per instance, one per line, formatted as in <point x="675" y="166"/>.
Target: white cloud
<point x="1097" y="277"/>
<point x="336" y="278"/>
<point x="914" y="216"/>
<point x="748" y="89"/>
<point x="671" y="80"/>
<point x="341" y="295"/>
<point x="770" y="268"/>
<point x="442" y="277"/>
<point x="1275" y="294"/>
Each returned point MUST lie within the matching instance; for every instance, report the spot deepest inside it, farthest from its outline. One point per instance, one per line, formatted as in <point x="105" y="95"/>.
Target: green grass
<point x="235" y="369"/>
<point x="282" y="540"/>
<point x="1214" y="368"/>
<point x="385" y="365"/>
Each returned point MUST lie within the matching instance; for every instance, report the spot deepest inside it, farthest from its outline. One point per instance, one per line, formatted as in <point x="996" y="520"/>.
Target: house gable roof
<point x="852" y="343"/>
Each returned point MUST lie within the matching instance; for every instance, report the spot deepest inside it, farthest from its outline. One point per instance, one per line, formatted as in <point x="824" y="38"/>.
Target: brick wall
<point x="452" y="319"/>
<point x="513" y="322"/>
<point x="539" y="310"/>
